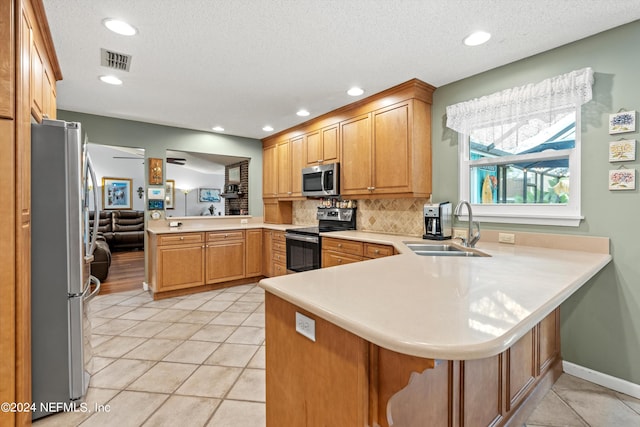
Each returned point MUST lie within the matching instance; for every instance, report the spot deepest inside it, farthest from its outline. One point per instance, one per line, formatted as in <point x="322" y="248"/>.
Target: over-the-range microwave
<point x="321" y="180"/>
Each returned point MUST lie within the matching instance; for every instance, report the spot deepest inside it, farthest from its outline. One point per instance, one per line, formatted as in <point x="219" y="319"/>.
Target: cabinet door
<point x="330" y="144"/>
<point x="284" y="170"/>
<point x="267" y="264"/>
<point x="314" y="149"/>
<point x="254" y="253"/>
<point x="356" y="164"/>
<point x="297" y="163"/>
<point x="269" y="172"/>
<point x="225" y="261"/>
<point x="7" y="60"/>
<point x="392" y="149"/>
<point x="36" y="81"/>
<point x="180" y="266"/>
<point x="331" y="258"/>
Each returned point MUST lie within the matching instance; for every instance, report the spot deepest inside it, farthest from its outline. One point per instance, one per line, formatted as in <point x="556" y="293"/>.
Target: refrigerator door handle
<point x="92" y="279"/>
<point x="96" y="213"/>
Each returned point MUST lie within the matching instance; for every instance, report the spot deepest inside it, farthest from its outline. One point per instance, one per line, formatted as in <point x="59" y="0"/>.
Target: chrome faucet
<point x="472" y="239"/>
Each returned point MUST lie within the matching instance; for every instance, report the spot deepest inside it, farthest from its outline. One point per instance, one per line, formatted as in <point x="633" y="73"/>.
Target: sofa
<point x="101" y="259"/>
<point x="122" y="230"/>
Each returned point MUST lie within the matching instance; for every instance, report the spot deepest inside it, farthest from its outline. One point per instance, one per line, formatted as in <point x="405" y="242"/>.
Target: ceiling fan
<point x="175" y="160"/>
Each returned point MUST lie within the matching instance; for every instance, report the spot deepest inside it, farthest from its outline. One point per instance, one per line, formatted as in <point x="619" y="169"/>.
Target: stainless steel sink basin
<point x="441" y="249"/>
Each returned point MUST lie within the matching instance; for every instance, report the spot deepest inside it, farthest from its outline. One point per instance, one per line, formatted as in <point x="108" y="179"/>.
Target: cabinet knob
<point x="339" y="245"/>
<point x="377" y="251"/>
<point x="339" y="260"/>
<point x="289" y="193"/>
<point x="226" y="235"/>
<point x="320" y="161"/>
<point x="181" y="237"/>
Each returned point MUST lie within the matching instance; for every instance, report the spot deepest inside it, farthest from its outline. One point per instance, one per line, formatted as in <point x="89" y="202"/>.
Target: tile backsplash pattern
<point x="394" y="216"/>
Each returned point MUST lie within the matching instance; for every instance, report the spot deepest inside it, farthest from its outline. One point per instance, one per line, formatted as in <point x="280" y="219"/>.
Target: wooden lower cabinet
<point x="274" y="253"/>
<point x="178" y="261"/>
<point x="341" y="379"/>
<point x="341" y="251"/>
<point x="225" y="256"/>
<point x="190" y="262"/>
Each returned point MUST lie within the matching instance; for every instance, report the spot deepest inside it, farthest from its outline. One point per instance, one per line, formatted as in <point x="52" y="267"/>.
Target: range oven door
<point x="303" y="252"/>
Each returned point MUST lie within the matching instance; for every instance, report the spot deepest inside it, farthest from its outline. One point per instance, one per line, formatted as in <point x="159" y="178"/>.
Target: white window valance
<point x="520" y="103"/>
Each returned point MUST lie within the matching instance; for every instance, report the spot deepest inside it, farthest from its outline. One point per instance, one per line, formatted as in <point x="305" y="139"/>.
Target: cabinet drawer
<point x="278" y="236"/>
<point x="344" y="246"/>
<point x="279" y="269"/>
<point x="179" y="239"/>
<point x="279" y="247"/>
<point x="331" y="258"/>
<point x="373" y="250"/>
<point x="217" y="236"/>
<point x="280" y="257"/>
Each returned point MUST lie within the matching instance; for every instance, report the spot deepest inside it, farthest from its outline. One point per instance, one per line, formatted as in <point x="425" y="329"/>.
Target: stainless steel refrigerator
<point x="61" y="252"/>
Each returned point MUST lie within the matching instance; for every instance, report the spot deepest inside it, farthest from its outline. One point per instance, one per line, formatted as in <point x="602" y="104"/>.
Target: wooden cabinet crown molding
<point x="416" y="89"/>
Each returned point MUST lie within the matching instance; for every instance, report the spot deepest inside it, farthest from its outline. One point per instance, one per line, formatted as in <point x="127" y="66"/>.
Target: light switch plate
<point x="507" y="238"/>
<point x="306" y="326"/>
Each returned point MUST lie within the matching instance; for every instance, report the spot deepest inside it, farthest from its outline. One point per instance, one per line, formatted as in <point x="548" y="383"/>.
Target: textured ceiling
<point x="243" y="64"/>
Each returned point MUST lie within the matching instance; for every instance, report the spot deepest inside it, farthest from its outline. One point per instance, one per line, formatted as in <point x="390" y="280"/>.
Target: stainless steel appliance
<point x="304" y="245"/>
<point x="321" y="181"/>
<point x="61" y="253"/>
<point x="437" y="221"/>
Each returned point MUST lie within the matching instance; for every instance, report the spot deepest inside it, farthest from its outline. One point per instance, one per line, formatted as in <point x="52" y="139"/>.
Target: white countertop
<point x="162" y="227"/>
<point x="441" y="307"/>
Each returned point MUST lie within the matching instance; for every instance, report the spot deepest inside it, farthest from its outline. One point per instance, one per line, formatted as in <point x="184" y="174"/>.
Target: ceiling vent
<point x="115" y="60"/>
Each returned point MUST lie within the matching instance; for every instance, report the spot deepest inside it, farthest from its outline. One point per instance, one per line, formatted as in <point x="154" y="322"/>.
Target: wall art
<point x="624" y="121"/>
<point x="116" y="193"/>
<point x="622" y="151"/>
<point x="170" y="193"/>
<point x="208" y="195"/>
<point x="622" y="179"/>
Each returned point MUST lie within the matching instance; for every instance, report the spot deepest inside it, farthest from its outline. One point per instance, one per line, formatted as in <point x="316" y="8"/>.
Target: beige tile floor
<point x="199" y="360"/>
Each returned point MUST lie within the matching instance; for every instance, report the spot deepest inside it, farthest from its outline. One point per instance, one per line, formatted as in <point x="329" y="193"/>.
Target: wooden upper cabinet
<point x="322" y="146"/>
<point x="37" y="74"/>
<point x="269" y="172"/>
<point x="284" y="169"/>
<point x="7" y="60"/>
<point x="356" y="166"/>
<point x="388" y="152"/>
<point x="383" y="144"/>
<point x="296" y="153"/>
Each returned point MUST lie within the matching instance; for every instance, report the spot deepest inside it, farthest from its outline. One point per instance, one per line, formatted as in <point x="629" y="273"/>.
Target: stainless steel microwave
<point x="321" y="181"/>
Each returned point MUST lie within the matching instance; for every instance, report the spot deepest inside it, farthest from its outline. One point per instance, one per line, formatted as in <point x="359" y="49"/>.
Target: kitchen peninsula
<point x="421" y="340"/>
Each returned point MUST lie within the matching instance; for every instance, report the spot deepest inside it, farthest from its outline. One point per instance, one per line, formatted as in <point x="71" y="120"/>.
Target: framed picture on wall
<point x="170" y="194"/>
<point x="624" y="121"/>
<point x="234" y="175"/>
<point x="206" y="195"/>
<point x="116" y="193"/>
<point x="622" y="179"/>
<point x="622" y="151"/>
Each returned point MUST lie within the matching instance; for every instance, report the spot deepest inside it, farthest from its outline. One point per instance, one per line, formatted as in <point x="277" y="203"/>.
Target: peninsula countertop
<point x="453" y="308"/>
<point x="212" y="223"/>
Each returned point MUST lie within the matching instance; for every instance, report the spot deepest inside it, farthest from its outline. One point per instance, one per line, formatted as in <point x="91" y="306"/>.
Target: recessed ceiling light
<point x="303" y="113"/>
<point x="267" y="128"/>
<point x="218" y="128"/>
<point x="112" y="80"/>
<point x="477" y="38"/>
<point x="119" y="27"/>
<point x="355" y="91"/>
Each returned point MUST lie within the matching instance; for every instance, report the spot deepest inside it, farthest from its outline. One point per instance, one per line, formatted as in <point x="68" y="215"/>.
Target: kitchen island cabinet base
<point x="342" y="379"/>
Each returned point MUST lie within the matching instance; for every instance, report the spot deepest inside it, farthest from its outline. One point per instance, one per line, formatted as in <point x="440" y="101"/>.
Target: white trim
<point x="604" y="380"/>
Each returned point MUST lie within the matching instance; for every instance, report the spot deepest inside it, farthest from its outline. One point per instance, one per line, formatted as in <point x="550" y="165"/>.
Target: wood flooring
<point x="125" y="274"/>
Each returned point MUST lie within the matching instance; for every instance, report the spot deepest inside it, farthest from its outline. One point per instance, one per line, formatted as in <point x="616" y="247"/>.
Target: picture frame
<point x="155" y="171"/>
<point x="170" y="194"/>
<point x="622" y="151"/>
<point x="622" y="179"/>
<point x="621" y="122"/>
<point x="234" y="175"/>
<point x="208" y="195"/>
<point x="117" y="193"/>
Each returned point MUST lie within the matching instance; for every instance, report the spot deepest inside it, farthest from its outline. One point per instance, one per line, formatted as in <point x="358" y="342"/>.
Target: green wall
<point x="156" y="139"/>
<point x="601" y="322"/>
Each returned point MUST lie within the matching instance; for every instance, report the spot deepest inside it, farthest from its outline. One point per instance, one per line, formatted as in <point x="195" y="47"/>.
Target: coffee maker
<point x="437" y="221"/>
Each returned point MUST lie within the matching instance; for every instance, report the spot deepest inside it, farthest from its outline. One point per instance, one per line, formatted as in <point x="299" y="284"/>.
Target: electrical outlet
<point x="460" y="233"/>
<point x="507" y="238"/>
<point x="244" y="221"/>
<point x="306" y="326"/>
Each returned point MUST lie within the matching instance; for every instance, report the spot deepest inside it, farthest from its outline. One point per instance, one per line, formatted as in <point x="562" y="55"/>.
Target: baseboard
<point x="613" y="383"/>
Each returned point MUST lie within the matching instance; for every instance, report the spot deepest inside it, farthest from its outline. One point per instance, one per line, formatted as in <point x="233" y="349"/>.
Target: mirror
<point x="197" y="184"/>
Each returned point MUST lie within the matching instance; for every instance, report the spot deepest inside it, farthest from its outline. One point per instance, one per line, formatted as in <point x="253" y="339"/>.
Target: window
<point x="519" y="157"/>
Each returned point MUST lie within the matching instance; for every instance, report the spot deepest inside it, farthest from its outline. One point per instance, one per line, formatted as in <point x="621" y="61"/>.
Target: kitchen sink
<point x="441" y="249"/>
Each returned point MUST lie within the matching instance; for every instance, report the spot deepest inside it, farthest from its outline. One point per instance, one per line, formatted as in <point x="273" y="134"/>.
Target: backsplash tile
<point x="394" y="216"/>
